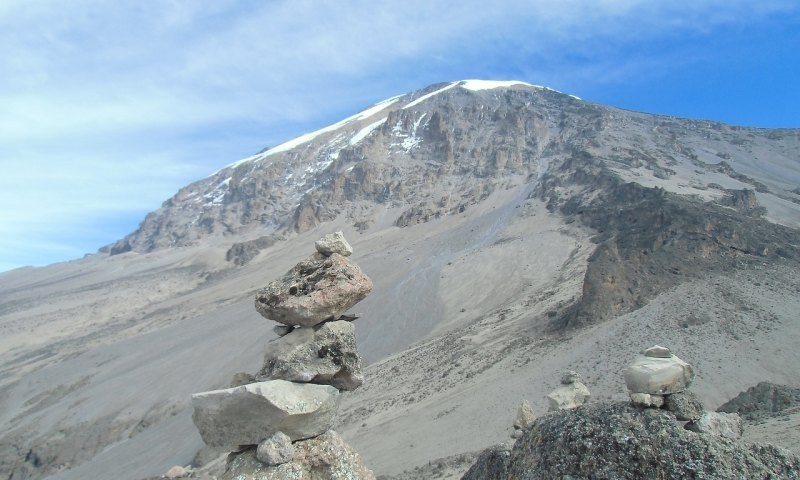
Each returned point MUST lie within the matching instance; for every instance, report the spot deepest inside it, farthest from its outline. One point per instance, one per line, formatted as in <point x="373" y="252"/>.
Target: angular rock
<point x="647" y="400"/>
<point x="657" y="351"/>
<point x="241" y="378"/>
<point x="658" y="376"/>
<point x="324" y="354"/>
<point x="685" y="405"/>
<point x="324" y="457"/>
<point x="525" y="416"/>
<point x="728" y="425"/>
<point x="248" y="414"/>
<point x="275" y="450"/>
<point x="317" y="289"/>
<point x="568" y="396"/>
<point x="281" y="330"/>
<point x="517" y="433"/>
<point x="333" y="243"/>
<point x="570" y="376"/>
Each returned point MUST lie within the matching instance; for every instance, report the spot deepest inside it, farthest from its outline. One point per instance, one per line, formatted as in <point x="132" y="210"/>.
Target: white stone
<point x="658" y="376"/>
<point x="525" y="416"/>
<point x="248" y="414"/>
<point x="568" y="396"/>
<point x="647" y="400"/>
<point x="334" y="243"/>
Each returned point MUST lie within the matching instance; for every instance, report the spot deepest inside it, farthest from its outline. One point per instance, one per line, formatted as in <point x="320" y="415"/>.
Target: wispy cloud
<point x="106" y="108"/>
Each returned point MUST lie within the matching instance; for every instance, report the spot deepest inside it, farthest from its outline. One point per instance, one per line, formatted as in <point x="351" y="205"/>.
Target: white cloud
<point x="146" y="96"/>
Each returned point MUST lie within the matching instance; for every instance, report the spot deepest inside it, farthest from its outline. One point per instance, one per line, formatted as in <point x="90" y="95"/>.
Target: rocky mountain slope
<point x="511" y="231"/>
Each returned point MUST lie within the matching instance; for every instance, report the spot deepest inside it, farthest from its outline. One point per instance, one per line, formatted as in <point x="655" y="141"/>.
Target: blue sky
<point x="108" y="107"/>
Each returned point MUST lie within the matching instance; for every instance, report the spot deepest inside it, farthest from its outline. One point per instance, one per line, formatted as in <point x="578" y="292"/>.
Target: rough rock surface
<point x="491" y="464"/>
<point x="525" y="416"/>
<point x="326" y="457"/>
<point x="570" y="376"/>
<point x="275" y="450"/>
<point x="568" y="396"/>
<point x="685" y="405"/>
<point x="318" y="288"/>
<point x="659" y="376"/>
<point x="762" y="400"/>
<point x="618" y="441"/>
<point x="333" y="243"/>
<point x="281" y="330"/>
<point x="241" y="378"/>
<point x="324" y="354"/>
<point x="248" y="414"/>
<point x="728" y="425"/>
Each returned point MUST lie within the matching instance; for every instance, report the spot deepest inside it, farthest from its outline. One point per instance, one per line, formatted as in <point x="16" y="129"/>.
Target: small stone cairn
<point x="659" y="379"/>
<point x="572" y="393"/>
<point x="278" y="421"/>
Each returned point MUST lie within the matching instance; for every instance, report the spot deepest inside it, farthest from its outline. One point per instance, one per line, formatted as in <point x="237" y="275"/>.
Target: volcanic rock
<point x="656" y="375"/>
<point x="324" y="457"/>
<point x="324" y="354"/>
<point x="275" y="450"/>
<point x="728" y="425"/>
<point x="248" y="414"/>
<point x="525" y="416"/>
<point x="685" y="405"/>
<point x="618" y="441"/>
<point x="333" y="243"/>
<point x="492" y="463"/>
<point x="317" y="289"/>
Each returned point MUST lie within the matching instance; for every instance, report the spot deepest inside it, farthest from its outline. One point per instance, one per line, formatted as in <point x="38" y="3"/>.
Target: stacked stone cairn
<point x="659" y="379"/>
<point x="572" y="393"/>
<point x="278" y="421"/>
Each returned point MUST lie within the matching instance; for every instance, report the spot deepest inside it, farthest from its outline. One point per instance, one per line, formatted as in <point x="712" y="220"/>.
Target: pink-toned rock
<point x="317" y="289"/>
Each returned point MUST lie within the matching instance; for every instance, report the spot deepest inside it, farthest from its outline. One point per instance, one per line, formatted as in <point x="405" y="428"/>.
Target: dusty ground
<point x="98" y="357"/>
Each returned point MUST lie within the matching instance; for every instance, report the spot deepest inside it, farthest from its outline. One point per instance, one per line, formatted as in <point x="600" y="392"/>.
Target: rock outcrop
<point x="619" y="441"/>
<point x="279" y="421"/>
<point x="763" y="400"/>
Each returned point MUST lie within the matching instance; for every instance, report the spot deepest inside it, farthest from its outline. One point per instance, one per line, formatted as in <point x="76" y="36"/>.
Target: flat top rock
<point x="657" y="351"/>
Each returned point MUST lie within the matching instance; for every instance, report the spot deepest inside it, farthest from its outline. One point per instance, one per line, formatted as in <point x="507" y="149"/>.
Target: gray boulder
<point x="685" y="405"/>
<point x="333" y="243"/>
<point x="248" y="414"/>
<point x="275" y="450"/>
<point x="324" y="354"/>
<point x="317" y="289"/>
<point x="657" y="375"/>
<point x="570" y="376"/>
<point x="728" y="425"/>
<point x="325" y="457"/>
<point x="618" y="441"/>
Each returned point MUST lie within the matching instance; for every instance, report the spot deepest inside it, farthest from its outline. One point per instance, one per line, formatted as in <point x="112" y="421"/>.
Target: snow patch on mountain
<point x="364" y="132"/>
<point x="429" y="95"/>
<point x="476" y="85"/>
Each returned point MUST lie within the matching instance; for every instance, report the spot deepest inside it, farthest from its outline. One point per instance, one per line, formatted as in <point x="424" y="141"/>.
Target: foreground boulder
<point x="317" y="289"/>
<point x="619" y="441"/>
<point x="326" y="457"/>
<point x="248" y="414"/>
<point x="325" y="354"/>
<point x="492" y="463"/>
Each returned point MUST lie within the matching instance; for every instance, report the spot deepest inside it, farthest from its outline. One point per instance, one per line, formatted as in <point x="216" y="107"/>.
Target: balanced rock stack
<point x="278" y="421"/>
<point x="659" y="379"/>
<point x="572" y="393"/>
